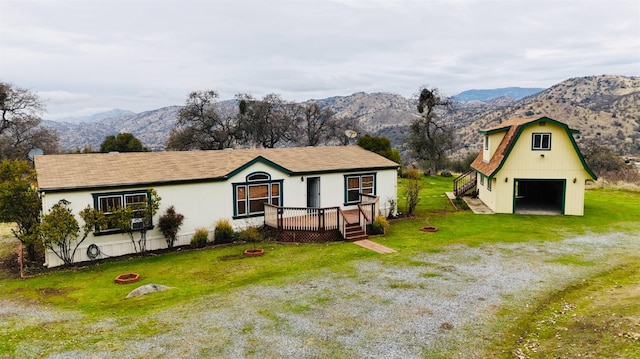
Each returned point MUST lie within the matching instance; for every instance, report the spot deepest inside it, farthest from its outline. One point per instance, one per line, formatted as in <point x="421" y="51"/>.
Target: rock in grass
<point x="146" y="289"/>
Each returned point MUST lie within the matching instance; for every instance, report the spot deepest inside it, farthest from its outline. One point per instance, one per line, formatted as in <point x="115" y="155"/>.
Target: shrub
<point x="250" y="234"/>
<point x="169" y="224"/>
<point x="200" y="238"/>
<point x="411" y="192"/>
<point x="223" y="233"/>
<point x="379" y="225"/>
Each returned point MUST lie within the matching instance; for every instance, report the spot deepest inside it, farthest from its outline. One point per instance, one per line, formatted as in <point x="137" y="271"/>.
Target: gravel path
<point x="436" y="303"/>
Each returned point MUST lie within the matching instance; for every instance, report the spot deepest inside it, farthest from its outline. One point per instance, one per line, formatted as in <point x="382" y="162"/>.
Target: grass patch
<point x="90" y="292"/>
<point x="570" y="259"/>
<point x="591" y="319"/>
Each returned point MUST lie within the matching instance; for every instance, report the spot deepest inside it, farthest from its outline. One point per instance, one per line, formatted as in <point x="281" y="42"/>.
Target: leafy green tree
<point x="60" y="229"/>
<point x="20" y="124"/>
<point x="380" y="145"/>
<point x="20" y="202"/>
<point x="430" y="139"/>
<point x="169" y="224"/>
<point x="122" y="219"/>
<point x="202" y="125"/>
<point x="123" y="142"/>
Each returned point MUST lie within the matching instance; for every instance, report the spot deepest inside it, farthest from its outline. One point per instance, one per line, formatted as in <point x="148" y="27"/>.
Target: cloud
<point x="141" y="55"/>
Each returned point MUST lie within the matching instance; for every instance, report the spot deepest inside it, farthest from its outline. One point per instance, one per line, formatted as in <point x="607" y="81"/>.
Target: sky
<point x="87" y="56"/>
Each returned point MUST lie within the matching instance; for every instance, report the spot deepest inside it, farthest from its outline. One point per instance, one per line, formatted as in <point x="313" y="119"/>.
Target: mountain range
<point x="604" y="107"/>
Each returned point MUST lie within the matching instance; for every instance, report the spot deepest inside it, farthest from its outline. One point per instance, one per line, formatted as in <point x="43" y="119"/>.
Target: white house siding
<point x="204" y="203"/>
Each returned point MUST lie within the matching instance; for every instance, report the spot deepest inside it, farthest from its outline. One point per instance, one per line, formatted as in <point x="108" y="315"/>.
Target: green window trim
<point x="249" y="196"/>
<point x="354" y="184"/>
<point x="107" y="202"/>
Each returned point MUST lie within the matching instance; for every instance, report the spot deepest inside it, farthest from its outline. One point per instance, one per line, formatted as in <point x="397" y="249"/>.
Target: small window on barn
<point x="482" y="180"/>
<point x="486" y="142"/>
<point x="489" y="184"/>
<point x="251" y="196"/>
<point x="541" y="141"/>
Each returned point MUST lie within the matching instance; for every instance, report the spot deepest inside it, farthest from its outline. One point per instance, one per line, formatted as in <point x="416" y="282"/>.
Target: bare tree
<point x="267" y="122"/>
<point x="430" y="139"/>
<point x="337" y="128"/>
<point x="20" y="124"/>
<point x="314" y="124"/>
<point x="201" y="125"/>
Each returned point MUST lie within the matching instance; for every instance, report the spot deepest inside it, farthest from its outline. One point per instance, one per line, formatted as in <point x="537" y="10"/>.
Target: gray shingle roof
<point x="76" y="171"/>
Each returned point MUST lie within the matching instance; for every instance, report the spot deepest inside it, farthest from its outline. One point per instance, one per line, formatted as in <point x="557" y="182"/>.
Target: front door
<point x="313" y="192"/>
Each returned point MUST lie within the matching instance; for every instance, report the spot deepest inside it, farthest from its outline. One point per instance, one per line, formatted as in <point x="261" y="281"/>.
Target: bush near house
<point x="169" y="224"/>
<point x="223" y="233"/>
<point x="379" y="225"/>
<point x="200" y="238"/>
<point x="250" y="234"/>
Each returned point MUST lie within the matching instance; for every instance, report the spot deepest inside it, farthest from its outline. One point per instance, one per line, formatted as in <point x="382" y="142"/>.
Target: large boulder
<point x="146" y="289"/>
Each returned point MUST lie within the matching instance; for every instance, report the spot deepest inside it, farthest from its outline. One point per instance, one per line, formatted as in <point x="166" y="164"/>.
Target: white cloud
<point x="141" y="55"/>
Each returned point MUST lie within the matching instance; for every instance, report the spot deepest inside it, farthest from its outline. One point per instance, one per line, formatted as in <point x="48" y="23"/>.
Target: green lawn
<point x="195" y="273"/>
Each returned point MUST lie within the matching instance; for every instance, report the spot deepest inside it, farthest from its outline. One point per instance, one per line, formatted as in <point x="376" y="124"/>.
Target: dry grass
<point x="615" y="185"/>
<point x="7" y="240"/>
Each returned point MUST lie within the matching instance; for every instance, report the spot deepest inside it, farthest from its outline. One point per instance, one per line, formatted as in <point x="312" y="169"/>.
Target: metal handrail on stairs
<point x="465" y="182"/>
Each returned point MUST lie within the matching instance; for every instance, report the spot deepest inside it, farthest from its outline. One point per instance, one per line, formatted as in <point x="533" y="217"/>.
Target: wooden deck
<point x="351" y="216"/>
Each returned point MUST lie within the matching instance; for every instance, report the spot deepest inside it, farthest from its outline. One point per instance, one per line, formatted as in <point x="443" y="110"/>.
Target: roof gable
<point x="103" y="170"/>
<point x="514" y="128"/>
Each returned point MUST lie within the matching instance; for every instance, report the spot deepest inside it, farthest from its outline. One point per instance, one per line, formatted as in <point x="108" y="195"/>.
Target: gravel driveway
<point x="433" y="304"/>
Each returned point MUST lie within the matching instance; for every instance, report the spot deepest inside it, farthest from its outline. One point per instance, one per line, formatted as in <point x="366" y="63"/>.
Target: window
<point x="109" y="203"/>
<point x="482" y="180"/>
<point x="489" y="180"/>
<point x="541" y="141"/>
<point x="356" y="184"/>
<point x="486" y="142"/>
<point x="250" y="197"/>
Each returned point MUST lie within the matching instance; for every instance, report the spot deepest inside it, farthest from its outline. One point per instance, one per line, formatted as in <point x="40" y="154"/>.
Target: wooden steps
<point x="355" y="233"/>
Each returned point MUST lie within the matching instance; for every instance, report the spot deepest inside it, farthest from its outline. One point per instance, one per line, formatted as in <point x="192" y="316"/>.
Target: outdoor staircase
<point x="465" y="183"/>
<point x="354" y="232"/>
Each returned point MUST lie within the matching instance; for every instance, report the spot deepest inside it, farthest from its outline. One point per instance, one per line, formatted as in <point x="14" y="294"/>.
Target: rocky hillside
<point x="605" y="107"/>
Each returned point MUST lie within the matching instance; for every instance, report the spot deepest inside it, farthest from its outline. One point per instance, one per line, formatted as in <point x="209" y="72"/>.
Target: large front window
<point x="250" y="197"/>
<point x="356" y="184"/>
<point x="110" y="203"/>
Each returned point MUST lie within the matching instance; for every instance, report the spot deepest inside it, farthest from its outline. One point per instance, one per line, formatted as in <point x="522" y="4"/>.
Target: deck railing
<point x="368" y="206"/>
<point x="302" y="218"/>
<point x="319" y="219"/>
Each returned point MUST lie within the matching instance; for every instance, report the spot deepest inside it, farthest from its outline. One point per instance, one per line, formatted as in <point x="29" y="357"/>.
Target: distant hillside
<point x="98" y="116"/>
<point x="150" y="127"/>
<point x="515" y="93"/>
<point x="604" y="107"/>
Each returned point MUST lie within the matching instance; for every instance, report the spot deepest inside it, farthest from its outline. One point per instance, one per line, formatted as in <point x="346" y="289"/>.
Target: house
<point x="529" y="165"/>
<point x="324" y="190"/>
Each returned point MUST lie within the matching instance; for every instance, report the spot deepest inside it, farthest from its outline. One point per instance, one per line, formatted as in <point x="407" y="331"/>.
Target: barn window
<point x="541" y="141"/>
